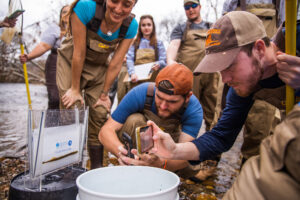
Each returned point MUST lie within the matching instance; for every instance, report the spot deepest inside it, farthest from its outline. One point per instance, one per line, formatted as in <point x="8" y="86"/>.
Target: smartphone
<point x="16" y="14"/>
<point x="128" y="144"/>
<point x="144" y="139"/>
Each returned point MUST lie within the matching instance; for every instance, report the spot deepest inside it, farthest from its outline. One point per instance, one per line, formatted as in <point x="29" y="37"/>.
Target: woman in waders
<point x="145" y="49"/>
<point x="97" y="29"/>
<point x="51" y="40"/>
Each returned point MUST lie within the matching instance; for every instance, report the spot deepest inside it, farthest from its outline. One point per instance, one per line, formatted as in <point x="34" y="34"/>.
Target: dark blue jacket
<point x="223" y="135"/>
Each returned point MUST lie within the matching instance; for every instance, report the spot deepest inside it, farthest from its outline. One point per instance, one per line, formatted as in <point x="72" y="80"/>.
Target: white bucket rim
<point x="177" y="196"/>
<point x="128" y="196"/>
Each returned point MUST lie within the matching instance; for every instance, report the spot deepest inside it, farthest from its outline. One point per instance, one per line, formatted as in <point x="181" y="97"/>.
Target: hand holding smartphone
<point x="144" y="139"/>
<point x="128" y="144"/>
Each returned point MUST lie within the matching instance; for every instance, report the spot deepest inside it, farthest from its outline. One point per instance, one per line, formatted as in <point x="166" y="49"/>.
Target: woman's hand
<point x="104" y="100"/>
<point x="134" y="78"/>
<point x="23" y="58"/>
<point x="70" y="97"/>
<point x="155" y="67"/>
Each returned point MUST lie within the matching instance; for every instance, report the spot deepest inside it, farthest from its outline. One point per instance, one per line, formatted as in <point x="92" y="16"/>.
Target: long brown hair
<point x="63" y="25"/>
<point x="153" y="40"/>
<point x="68" y="15"/>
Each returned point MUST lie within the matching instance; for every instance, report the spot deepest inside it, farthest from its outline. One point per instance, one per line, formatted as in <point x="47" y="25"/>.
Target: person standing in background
<point x="271" y="12"/>
<point x="51" y="40"/>
<point x="97" y="29"/>
<point x="187" y="46"/>
<point x="146" y="48"/>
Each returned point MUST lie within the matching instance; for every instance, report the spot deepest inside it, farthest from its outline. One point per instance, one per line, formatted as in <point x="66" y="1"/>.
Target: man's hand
<point x="23" y="58"/>
<point x="124" y="159"/>
<point x="144" y="159"/>
<point x="70" y="97"/>
<point x="164" y="145"/>
<point x="288" y="68"/>
<point x="122" y="155"/>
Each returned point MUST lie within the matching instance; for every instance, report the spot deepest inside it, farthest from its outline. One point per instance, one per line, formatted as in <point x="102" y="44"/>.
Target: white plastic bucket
<point x="128" y="182"/>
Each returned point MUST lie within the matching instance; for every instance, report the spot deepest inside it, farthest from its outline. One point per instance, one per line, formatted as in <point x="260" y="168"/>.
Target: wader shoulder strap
<point x="125" y="25"/>
<point x="95" y="22"/>
<point x="187" y="27"/>
<point x="149" y="97"/>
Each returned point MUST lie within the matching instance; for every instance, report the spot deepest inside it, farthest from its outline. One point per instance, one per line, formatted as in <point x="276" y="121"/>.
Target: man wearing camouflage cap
<point x="271" y="13"/>
<point x="238" y="47"/>
<point x="169" y="103"/>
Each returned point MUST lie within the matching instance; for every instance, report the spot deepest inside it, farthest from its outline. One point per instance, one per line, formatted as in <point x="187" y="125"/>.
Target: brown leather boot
<point x="207" y="169"/>
<point x="96" y="156"/>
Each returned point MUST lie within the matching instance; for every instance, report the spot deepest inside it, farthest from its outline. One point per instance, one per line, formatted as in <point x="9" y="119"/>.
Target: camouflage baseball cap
<point x="192" y="1"/>
<point x="226" y="38"/>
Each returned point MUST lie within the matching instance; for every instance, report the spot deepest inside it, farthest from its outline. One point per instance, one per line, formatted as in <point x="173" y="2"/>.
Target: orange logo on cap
<point x="209" y="42"/>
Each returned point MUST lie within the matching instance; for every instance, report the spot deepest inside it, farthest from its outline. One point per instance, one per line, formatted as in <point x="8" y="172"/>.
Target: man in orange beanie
<point x="168" y="102"/>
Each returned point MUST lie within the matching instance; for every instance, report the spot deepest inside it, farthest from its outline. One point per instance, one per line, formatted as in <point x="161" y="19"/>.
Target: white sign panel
<point x="56" y="147"/>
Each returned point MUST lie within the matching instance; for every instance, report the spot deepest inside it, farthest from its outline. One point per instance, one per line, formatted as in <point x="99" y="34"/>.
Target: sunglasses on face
<point x="187" y="7"/>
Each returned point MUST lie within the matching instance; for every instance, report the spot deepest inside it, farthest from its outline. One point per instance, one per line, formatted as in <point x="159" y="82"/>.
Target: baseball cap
<point x="179" y="76"/>
<point x="192" y="1"/>
<point x="226" y="38"/>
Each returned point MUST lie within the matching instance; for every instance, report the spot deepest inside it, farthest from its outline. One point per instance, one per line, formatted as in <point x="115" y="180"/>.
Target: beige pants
<point x="208" y="89"/>
<point x="260" y="123"/>
<point x="91" y="82"/>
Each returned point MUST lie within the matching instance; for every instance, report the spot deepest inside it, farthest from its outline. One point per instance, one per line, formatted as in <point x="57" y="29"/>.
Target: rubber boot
<point x="96" y="156"/>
